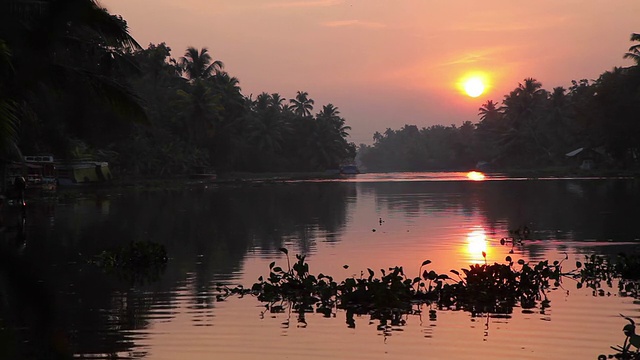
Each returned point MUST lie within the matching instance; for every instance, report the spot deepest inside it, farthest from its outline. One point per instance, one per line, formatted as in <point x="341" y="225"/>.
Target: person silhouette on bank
<point x="20" y="185"/>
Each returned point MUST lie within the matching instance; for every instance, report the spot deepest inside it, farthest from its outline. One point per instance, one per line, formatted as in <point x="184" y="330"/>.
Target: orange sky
<point x="388" y="63"/>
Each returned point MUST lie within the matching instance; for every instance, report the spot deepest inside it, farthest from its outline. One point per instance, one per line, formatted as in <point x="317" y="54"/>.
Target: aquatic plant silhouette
<point x="598" y="269"/>
<point x="480" y="289"/>
<point x="137" y="261"/>
<point x="632" y="339"/>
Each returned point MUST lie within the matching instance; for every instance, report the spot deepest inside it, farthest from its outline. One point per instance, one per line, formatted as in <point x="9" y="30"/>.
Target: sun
<point x="474" y="87"/>
<point x="474" y="83"/>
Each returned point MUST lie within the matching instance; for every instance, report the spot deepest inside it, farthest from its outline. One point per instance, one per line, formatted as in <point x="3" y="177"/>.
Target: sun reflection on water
<point x="477" y="244"/>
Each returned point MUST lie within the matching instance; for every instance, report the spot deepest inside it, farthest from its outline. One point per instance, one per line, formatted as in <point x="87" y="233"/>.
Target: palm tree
<point x="524" y="98"/>
<point x="302" y="105"/>
<point x="269" y="126"/>
<point x="199" y="109"/>
<point x="229" y="89"/>
<point x="490" y="111"/>
<point x="634" y="51"/>
<point x="277" y="101"/>
<point x="198" y="65"/>
<point x="331" y="114"/>
<point x="524" y="108"/>
<point x="491" y="128"/>
<point x="8" y="110"/>
<point x="8" y="118"/>
<point x="268" y="131"/>
<point x="262" y="101"/>
<point x="60" y="50"/>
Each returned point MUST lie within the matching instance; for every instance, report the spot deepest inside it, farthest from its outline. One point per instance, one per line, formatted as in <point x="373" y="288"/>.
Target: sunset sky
<point x="388" y="63"/>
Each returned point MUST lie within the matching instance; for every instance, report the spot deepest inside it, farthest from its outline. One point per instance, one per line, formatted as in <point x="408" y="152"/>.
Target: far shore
<point x="274" y="177"/>
<point x="254" y="179"/>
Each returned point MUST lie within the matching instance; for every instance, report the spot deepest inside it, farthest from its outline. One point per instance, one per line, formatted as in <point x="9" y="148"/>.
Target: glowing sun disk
<point x="474" y="87"/>
<point x="474" y="83"/>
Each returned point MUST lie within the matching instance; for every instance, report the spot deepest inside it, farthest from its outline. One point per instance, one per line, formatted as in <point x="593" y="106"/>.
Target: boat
<point x="39" y="172"/>
<point x="82" y="171"/>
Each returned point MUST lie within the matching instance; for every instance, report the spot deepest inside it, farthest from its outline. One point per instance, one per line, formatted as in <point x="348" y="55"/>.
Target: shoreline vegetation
<point x="149" y="113"/>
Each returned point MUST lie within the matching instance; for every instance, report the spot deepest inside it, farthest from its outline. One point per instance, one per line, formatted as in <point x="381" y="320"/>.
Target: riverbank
<point x="224" y="178"/>
<point x="572" y="172"/>
<point x="186" y="181"/>
<point x="126" y="183"/>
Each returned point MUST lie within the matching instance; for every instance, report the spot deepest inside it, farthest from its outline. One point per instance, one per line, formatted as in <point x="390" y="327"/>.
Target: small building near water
<point x="587" y="158"/>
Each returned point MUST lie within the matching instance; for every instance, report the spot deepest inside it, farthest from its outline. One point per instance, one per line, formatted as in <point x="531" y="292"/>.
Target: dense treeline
<point x="200" y="118"/>
<point x="75" y="84"/>
<point x="531" y="128"/>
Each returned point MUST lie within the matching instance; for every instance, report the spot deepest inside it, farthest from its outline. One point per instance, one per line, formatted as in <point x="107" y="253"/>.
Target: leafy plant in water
<point x="597" y="270"/>
<point x="137" y="261"/>
<point x="495" y="288"/>
<point x="480" y="289"/>
<point x="296" y="285"/>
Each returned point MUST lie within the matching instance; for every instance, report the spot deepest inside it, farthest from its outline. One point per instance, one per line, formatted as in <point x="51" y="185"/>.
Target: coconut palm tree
<point x="524" y="109"/>
<point x="199" y="65"/>
<point x="634" y="51"/>
<point x="489" y="111"/>
<point x="302" y="105"/>
<point x="268" y="131"/>
<point x="269" y="126"/>
<point x="199" y="108"/>
<point x="8" y="118"/>
<point x="262" y="102"/>
<point x="331" y="114"/>
<point x="524" y="98"/>
<point x="277" y="101"/>
<point x="65" y="55"/>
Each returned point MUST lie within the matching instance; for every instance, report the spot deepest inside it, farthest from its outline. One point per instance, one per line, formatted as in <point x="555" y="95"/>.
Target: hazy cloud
<point x="348" y="23"/>
<point x="478" y="56"/>
<point x="300" y="4"/>
<point x="519" y="25"/>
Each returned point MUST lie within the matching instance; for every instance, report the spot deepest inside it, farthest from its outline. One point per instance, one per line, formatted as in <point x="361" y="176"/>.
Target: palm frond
<point x="8" y="127"/>
<point x="121" y="98"/>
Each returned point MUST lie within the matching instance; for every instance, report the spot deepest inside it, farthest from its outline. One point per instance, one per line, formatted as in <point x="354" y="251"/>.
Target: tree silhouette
<point x="302" y="105"/>
<point x="198" y="64"/>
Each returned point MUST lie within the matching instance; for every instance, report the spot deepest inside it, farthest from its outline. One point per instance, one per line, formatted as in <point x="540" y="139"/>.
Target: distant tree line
<point x="200" y="118"/>
<point x="531" y="128"/>
<point x="75" y="84"/>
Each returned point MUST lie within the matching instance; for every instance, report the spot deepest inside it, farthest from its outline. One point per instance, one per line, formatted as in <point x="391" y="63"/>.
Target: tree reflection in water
<point x="69" y="305"/>
<point x="208" y="232"/>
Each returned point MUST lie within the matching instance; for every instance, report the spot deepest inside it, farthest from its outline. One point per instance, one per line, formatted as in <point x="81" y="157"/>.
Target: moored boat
<point x="78" y="172"/>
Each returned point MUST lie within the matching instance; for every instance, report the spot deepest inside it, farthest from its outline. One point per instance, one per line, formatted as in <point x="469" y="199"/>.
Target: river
<point x="230" y="233"/>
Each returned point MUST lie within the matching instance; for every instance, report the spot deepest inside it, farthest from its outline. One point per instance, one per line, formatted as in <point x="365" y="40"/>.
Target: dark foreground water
<point x="53" y="297"/>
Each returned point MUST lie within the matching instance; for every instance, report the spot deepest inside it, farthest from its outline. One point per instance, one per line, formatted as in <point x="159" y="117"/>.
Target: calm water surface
<point x="230" y="234"/>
